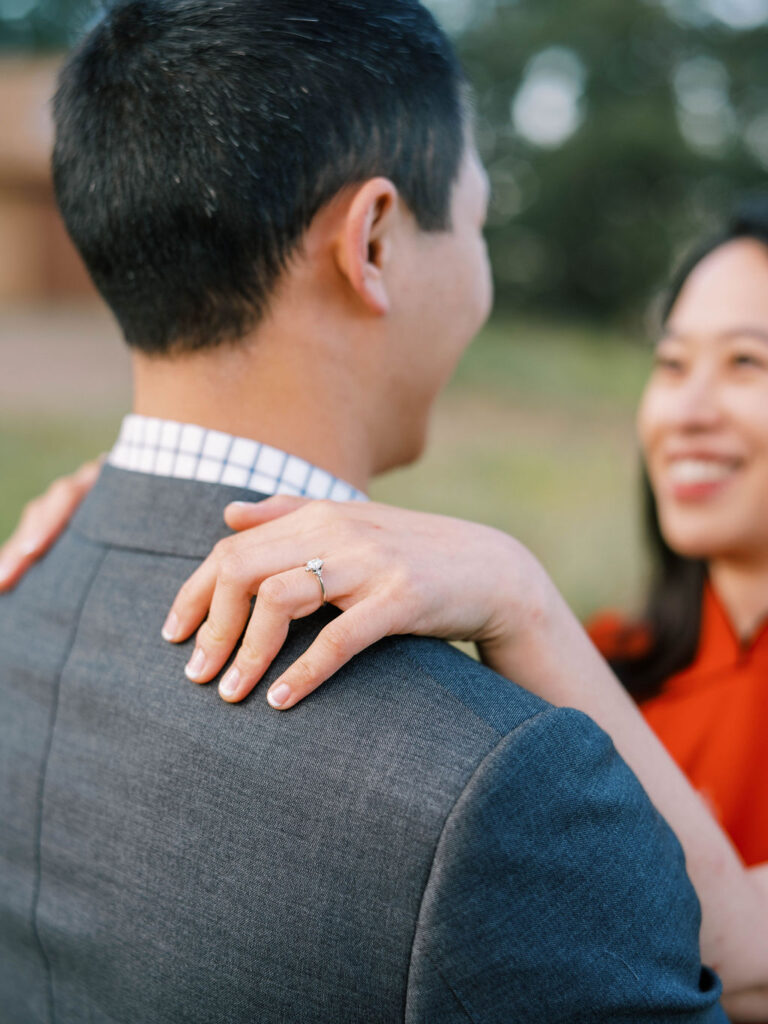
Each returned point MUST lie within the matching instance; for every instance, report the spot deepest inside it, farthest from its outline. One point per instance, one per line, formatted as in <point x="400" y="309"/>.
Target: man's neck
<point x="283" y="405"/>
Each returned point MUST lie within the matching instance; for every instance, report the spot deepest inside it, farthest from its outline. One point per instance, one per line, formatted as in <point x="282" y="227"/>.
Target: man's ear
<point x="365" y="243"/>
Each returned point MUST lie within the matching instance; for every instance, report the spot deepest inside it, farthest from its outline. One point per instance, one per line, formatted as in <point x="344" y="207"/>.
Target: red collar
<point x="720" y="646"/>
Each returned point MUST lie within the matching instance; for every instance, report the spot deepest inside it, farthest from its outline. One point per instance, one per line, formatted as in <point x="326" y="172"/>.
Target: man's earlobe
<point x="365" y="242"/>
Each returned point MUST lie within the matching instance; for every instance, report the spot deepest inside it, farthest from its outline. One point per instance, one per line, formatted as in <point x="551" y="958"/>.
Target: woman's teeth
<point x="699" y="471"/>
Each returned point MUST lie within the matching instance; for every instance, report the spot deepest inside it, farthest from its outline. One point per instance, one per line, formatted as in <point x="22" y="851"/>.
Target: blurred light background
<point x="615" y="132"/>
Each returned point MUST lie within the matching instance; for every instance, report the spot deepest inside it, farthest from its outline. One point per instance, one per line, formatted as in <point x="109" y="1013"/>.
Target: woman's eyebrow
<point x="741" y="331"/>
<point x="745" y="331"/>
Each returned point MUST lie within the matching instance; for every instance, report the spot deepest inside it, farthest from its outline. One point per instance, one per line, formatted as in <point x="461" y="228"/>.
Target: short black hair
<point x="197" y="139"/>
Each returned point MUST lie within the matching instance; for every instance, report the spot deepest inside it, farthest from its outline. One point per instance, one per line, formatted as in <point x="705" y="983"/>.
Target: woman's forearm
<point x="556" y="659"/>
<point x="746" y="1006"/>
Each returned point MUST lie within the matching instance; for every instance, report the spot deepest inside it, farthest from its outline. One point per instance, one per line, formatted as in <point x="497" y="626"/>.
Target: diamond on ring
<point x="315" y="566"/>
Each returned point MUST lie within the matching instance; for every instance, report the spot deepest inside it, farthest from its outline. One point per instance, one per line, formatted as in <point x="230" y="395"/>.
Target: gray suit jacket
<point x="420" y="841"/>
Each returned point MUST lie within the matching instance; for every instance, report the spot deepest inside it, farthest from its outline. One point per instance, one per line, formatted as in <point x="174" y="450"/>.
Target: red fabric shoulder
<point x="615" y="637"/>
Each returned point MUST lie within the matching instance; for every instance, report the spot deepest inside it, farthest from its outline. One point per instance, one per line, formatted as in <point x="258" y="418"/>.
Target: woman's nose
<point x="698" y="404"/>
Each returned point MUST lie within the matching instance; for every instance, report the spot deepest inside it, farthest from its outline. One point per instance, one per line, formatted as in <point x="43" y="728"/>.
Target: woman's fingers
<point x="281" y="599"/>
<point x="88" y="474"/>
<point x="218" y="635"/>
<point x="388" y="574"/>
<point x="219" y="595"/>
<point x="241" y="562"/>
<point x="348" y="635"/>
<point x="191" y="604"/>
<point x="242" y="515"/>
<point x="43" y="520"/>
<point x="237" y="564"/>
<point x="20" y="551"/>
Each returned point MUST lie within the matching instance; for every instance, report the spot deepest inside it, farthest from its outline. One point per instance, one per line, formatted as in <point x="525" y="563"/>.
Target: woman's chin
<point x="694" y="544"/>
<point x="706" y="548"/>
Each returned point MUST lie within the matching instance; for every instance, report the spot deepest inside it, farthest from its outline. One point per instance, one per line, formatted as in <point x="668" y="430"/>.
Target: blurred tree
<point x="40" y="25"/>
<point x="614" y="132"/>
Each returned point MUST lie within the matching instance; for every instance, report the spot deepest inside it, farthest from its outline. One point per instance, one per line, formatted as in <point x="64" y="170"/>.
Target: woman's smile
<point x="700" y="477"/>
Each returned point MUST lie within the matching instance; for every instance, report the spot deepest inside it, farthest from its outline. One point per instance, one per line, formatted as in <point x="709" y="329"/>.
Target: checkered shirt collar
<point x="189" y="452"/>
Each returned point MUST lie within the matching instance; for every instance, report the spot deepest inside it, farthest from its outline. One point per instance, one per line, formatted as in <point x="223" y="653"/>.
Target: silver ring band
<point x="315" y="566"/>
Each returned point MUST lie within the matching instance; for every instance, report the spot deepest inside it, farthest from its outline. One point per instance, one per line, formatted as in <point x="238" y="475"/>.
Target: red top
<point x="713" y="719"/>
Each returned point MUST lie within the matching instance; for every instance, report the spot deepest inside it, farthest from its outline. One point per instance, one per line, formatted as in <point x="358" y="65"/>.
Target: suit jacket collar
<point x="157" y="514"/>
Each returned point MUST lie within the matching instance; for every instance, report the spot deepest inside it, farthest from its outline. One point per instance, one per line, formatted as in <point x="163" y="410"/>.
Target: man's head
<point x="199" y="141"/>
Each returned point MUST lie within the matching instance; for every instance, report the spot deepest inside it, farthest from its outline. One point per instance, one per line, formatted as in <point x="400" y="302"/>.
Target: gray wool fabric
<point x="419" y="841"/>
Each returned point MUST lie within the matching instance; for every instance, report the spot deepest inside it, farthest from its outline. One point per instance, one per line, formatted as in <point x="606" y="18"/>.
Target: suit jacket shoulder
<point x="546" y="900"/>
<point x="166" y="855"/>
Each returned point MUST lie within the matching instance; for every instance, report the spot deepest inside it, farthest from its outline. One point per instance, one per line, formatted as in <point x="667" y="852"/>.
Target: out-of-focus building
<point x="37" y="260"/>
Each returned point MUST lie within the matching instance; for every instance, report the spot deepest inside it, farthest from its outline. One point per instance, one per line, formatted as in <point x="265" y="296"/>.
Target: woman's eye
<point x="747" y="360"/>
<point x="668" y="363"/>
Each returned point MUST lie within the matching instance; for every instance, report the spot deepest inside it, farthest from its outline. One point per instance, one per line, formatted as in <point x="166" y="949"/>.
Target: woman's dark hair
<point x="671" y="621"/>
<point x="196" y="140"/>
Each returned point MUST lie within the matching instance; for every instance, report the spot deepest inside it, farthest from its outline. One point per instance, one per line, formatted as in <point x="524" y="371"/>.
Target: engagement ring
<point x="315" y="566"/>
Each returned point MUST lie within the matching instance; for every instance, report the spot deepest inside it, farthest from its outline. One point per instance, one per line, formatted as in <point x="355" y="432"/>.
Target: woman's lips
<point x="697" y="478"/>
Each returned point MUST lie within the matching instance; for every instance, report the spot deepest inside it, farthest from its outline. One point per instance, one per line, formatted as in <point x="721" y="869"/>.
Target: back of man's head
<point x="196" y="141"/>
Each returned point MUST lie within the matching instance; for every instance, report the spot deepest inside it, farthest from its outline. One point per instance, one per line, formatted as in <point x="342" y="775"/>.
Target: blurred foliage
<point x="40" y="25"/>
<point x="668" y="127"/>
<point x="615" y="131"/>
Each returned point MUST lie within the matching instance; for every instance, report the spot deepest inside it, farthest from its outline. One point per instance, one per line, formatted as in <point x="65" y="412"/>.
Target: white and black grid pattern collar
<point x="189" y="452"/>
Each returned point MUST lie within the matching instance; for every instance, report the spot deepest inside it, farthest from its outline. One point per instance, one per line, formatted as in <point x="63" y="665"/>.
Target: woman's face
<point x="703" y="419"/>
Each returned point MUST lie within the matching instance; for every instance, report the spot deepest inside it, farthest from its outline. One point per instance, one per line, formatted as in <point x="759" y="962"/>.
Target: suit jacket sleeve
<point x="558" y="894"/>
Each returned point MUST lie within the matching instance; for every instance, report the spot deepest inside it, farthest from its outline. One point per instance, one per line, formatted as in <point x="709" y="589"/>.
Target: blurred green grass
<point x="534" y="435"/>
<point x="35" y="449"/>
<point x="579" y="364"/>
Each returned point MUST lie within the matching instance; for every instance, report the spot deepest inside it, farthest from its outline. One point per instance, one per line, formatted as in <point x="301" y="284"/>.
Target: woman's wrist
<point x="524" y="606"/>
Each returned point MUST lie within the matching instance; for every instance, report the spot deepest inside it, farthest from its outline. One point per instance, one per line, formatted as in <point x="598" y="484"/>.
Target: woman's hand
<point x="43" y="520"/>
<point x="390" y="571"/>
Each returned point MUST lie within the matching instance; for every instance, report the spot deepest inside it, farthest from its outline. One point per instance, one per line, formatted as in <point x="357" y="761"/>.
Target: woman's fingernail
<point x="196" y="664"/>
<point x="171" y="627"/>
<point x="279" y="695"/>
<point x="230" y="684"/>
<point x="30" y="547"/>
<point x="6" y="571"/>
